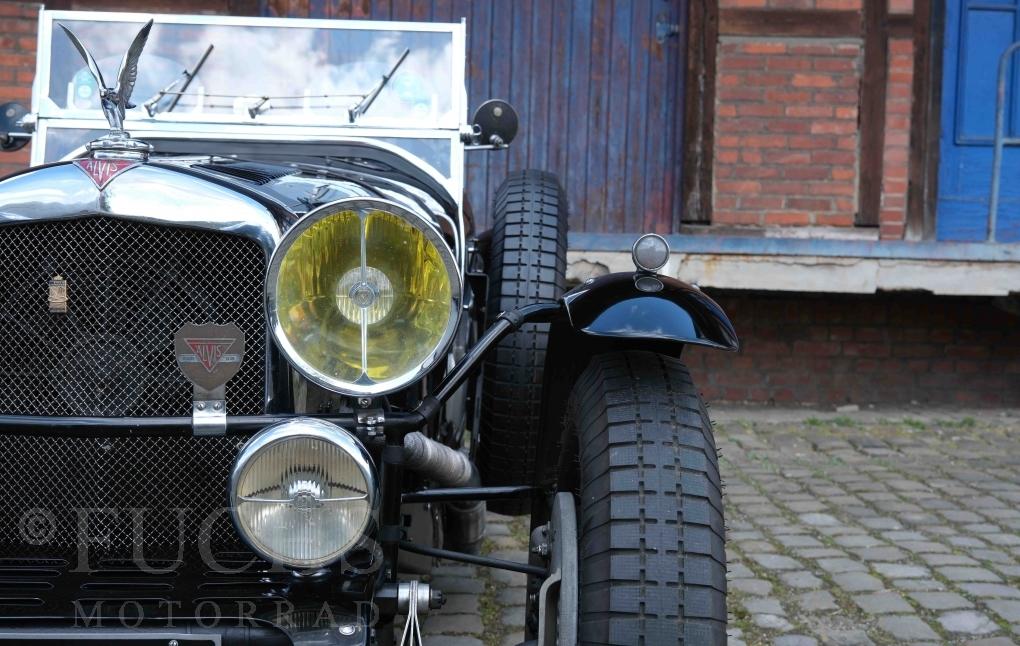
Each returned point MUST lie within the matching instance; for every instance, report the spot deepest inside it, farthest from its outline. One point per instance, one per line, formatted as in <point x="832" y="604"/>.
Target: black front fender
<point x="642" y="307"/>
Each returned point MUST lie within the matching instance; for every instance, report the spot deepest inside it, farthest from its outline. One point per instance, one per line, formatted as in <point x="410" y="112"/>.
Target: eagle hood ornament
<point x="116" y="100"/>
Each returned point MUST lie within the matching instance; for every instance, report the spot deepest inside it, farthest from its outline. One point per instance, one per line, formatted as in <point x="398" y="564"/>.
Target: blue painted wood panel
<point x="977" y="32"/>
<point x="601" y="100"/>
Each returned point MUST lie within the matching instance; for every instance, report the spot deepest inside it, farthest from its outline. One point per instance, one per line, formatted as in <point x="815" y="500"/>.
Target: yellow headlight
<point x="364" y="295"/>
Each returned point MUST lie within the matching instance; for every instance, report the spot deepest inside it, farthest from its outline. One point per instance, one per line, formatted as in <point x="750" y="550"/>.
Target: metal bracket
<point x="208" y="411"/>
<point x="558" y="596"/>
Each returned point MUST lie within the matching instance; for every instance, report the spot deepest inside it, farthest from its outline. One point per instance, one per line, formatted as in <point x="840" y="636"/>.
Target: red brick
<point x="808" y="203"/>
<point x="787" y="218"/>
<point x="764" y="47"/>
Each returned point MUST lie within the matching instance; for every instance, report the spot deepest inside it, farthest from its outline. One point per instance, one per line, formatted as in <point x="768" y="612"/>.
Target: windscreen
<point x="272" y="72"/>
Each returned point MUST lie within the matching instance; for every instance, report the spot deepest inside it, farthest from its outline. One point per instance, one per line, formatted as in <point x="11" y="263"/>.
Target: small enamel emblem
<point x="57" y="298"/>
<point x="102" y="171"/>
<point x="209" y="355"/>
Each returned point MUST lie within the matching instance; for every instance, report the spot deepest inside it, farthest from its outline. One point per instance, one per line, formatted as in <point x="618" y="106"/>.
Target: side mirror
<point x="494" y="124"/>
<point x="14" y="134"/>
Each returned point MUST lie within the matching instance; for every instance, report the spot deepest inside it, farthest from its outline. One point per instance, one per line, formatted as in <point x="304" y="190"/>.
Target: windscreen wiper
<point x="152" y="105"/>
<point x="366" y="101"/>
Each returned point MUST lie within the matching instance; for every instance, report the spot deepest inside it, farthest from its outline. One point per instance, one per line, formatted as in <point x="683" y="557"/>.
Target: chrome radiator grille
<point x="111" y="493"/>
<point x="130" y="286"/>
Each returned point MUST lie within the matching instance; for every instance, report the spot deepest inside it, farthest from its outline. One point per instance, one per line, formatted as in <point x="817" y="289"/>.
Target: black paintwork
<point x="648" y="308"/>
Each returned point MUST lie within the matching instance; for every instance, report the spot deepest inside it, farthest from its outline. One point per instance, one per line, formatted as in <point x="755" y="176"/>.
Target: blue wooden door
<point x="977" y="32"/>
<point x="600" y="97"/>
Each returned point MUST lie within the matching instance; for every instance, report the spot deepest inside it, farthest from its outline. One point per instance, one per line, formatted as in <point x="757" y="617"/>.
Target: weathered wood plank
<point x="872" y="111"/>
<point x="791" y="22"/>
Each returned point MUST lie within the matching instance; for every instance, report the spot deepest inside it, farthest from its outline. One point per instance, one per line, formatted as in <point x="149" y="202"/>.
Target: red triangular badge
<point x="102" y="171"/>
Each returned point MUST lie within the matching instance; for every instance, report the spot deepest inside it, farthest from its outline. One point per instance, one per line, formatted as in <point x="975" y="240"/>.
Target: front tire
<point x="651" y="537"/>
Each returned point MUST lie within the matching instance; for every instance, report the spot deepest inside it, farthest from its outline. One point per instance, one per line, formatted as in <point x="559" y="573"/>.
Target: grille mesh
<point x="130" y="286"/>
<point x="180" y="482"/>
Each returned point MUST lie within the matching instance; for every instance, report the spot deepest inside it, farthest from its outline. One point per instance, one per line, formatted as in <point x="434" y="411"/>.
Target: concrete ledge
<point x="819" y="273"/>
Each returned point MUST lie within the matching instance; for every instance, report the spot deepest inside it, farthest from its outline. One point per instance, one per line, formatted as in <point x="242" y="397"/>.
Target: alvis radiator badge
<point x="57" y="298"/>
<point x="209" y="355"/>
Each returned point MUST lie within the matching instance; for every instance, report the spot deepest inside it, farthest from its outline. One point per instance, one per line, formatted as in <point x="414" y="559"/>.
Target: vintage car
<point x="260" y="371"/>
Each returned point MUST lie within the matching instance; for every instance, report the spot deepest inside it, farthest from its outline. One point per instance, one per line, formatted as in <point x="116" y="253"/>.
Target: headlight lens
<point x="364" y="296"/>
<point x="303" y="492"/>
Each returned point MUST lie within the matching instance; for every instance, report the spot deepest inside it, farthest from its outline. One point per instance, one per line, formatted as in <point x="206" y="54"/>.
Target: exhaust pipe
<point x="464" y="527"/>
<point x="436" y="461"/>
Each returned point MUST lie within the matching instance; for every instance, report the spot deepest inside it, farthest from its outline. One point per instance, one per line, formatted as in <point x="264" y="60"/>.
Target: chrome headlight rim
<point x="297" y="428"/>
<point x="363" y="205"/>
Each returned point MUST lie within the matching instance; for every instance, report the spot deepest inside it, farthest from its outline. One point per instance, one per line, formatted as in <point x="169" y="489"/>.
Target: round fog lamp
<point x="650" y="252"/>
<point x="303" y="493"/>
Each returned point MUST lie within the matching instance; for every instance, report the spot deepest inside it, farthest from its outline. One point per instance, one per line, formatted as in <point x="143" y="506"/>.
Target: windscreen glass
<point x="266" y="73"/>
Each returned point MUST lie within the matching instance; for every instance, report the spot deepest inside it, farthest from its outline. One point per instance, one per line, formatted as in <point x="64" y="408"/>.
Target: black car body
<point x="243" y="349"/>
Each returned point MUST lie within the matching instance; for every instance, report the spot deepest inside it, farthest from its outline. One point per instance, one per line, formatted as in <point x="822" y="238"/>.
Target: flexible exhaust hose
<point x="437" y="461"/>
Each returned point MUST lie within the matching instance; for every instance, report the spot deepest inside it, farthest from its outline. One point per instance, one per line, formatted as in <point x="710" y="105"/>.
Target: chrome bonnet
<point x="147" y="193"/>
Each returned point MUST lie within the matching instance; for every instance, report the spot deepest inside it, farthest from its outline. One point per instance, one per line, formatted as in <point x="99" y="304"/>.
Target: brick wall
<point x="887" y="348"/>
<point x="896" y="154"/>
<point x="787" y="150"/>
<point x="786" y="132"/>
<point x="19" y="22"/>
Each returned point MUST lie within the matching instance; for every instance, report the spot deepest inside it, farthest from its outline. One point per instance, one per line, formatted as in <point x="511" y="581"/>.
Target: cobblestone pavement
<point x="843" y="529"/>
<point x="868" y="531"/>
<point x="483" y="606"/>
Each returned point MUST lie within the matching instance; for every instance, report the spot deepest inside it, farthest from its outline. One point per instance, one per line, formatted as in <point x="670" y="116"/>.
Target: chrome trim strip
<point x="452" y="269"/>
<point x="293" y="429"/>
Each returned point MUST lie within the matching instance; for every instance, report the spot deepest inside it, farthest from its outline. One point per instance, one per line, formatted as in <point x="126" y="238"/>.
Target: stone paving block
<point x="995" y="556"/>
<point x="819" y="520"/>
<point x="801" y="579"/>
<point x="451" y="585"/>
<point x="513" y="617"/>
<point x="969" y="622"/>
<point x="775" y="561"/>
<point x="881" y="522"/>
<point x="991" y="641"/>
<point x="763" y="605"/>
<point x="915" y="585"/>
<point x="841" y="637"/>
<point x="817" y="601"/>
<point x="996" y="590"/>
<point x="1008" y="610"/>
<point x="738" y="571"/>
<point x="838" y="565"/>
<point x="966" y="541"/>
<point x="901" y="570"/>
<point x="879" y="553"/>
<point x="947" y="559"/>
<point x="461" y="604"/>
<point x="452" y="624"/>
<point x="774" y="622"/>
<point x="883" y="603"/>
<point x="513" y="639"/>
<point x="818" y="552"/>
<point x="799" y="540"/>
<point x="940" y="600"/>
<point x="511" y="596"/>
<point x="907" y="628"/>
<point x="858" y="540"/>
<point x="756" y="546"/>
<point x="857" y="582"/>
<point x="451" y="640"/>
<point x="961" y="573"/>
<point x="794" y="640"/>
<point x="923" y="546"/>
<point x="751" y="586"/>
